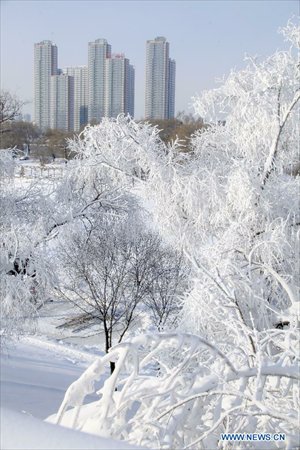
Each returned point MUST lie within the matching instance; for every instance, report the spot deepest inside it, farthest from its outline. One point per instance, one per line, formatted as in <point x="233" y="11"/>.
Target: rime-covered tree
<point x="23" y="269"/>
<point x="116" y="270"/>
<point x="232" y="207"/>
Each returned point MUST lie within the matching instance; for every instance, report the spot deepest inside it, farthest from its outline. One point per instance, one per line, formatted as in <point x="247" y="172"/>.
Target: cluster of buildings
<point x="69" y="98"/>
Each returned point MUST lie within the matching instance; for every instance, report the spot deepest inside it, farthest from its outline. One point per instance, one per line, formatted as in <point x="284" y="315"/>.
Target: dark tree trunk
<point x="108" y="342"/>
<point x="112" y="367"/>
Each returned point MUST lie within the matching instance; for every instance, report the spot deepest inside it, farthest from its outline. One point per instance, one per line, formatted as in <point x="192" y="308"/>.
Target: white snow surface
<point x="35" y="374"/>
<point x="20" y="431"/>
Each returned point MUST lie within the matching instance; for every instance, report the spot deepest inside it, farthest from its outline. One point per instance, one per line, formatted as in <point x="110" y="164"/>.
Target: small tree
<point x="10" y="107"/>
<point x="111" y="271"/>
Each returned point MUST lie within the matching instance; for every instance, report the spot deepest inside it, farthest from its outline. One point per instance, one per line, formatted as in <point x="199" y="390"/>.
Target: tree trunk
<point x="108" y="342"/>
<point x="112" y="367"/>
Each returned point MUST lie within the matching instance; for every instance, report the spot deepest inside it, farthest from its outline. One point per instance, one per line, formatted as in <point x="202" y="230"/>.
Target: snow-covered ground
<point x="19" y="431"/>
<point x="35" y="373"/>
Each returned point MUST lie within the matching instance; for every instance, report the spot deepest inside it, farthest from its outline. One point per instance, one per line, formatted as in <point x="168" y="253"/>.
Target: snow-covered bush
<point x="19" y="282"/>
<point x="167" y="397"/>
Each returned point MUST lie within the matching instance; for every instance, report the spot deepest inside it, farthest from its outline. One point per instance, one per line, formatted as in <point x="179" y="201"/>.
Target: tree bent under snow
<point x="181" y="391"/>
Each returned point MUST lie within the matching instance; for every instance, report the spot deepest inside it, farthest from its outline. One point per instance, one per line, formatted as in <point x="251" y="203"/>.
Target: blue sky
<point x="207" y="38"/>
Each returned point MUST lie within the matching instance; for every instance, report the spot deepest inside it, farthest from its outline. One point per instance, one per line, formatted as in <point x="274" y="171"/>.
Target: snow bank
<point x="35" y="374"/>
<point x="20" y="431"/>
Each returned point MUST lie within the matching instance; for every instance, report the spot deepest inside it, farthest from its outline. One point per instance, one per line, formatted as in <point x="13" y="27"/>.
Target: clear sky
<point x="207" y="38"/>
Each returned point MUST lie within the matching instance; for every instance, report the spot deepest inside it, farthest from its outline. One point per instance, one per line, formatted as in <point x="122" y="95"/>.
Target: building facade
<point x="98" y="52"/>
<point x="171" y="87"/>
<point x="119" y="86"/>
<point x="62" y="102"/>
<point x="45" y="66"/>
<point x="160" y="80"/>
<point x="80" y="76"/>
<point x="130" y="89"/>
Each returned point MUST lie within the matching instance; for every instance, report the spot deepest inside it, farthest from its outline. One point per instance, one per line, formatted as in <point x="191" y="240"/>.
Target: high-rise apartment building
<point x="119" y="86"/>
<point x="172" y="76"/>
<point x="62" y="102"/>
<point x="80" y="75"/>
<point x="45" y="65"/>
<point x="70" y="98"/>
<point x="97" y="53"/>
<point x="160" y="80"/>
<point x="130" y="83"/>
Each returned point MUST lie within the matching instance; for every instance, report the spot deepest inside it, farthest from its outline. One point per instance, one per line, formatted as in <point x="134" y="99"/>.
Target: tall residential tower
<point x="98" y="52"/>
<point x="160" y="80"/>
<point x="62" y="102"/>
<point x="119" y="86"/>
<point x="80" y="75"/>
<point x="171" y="87"/>
<point x="45" y="65"/>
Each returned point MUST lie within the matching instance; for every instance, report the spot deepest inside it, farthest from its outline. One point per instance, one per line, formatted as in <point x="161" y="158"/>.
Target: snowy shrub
<point x="15" y="285"/>
<point x="179" y="391"/>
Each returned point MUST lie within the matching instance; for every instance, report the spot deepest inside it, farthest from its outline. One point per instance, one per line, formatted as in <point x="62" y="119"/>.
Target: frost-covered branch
<point x="172" y="401"/>
<point x="269" y="165"/>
